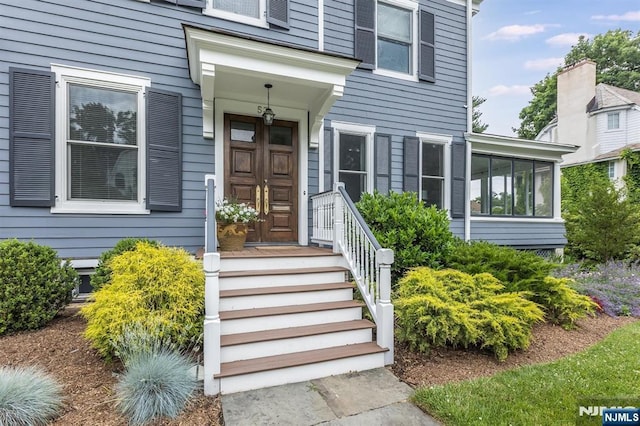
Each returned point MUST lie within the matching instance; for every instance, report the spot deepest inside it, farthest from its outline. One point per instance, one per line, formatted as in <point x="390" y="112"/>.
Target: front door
<point x="261" y="169"/>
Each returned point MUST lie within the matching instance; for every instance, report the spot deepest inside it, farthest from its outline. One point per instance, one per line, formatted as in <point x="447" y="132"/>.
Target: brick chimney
<point x="576" y="88"/>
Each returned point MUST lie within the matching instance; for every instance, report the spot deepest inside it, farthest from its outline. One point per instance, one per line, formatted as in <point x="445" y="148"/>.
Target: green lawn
<point x="545" y="394"/>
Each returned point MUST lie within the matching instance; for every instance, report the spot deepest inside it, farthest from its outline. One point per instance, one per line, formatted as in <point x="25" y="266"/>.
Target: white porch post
<point x="211" y="338"/>
<point x="210" y="242"/>
<point x="338" y="217"/>
<point x="384" y="308"/>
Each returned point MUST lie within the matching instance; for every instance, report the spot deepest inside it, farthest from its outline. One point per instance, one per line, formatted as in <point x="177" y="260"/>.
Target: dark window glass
<point x="480" y="187"/>
<point x="280" y="135"/>
<point x="243" y="132"/>
<point x="352" y="164"/>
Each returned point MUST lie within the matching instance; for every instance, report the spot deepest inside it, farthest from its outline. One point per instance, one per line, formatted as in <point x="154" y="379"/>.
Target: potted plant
<point x="232" y="219"/>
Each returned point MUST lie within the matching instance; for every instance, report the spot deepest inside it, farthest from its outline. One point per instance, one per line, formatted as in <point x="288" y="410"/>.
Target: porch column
<point x="211" y="338"/>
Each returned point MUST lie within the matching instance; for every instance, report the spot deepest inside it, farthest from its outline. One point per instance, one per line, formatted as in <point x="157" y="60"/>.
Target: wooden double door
<point x="261" y="169"/>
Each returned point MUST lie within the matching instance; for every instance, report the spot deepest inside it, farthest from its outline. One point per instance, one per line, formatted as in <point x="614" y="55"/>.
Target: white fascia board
<point x="227" y="50"/>
<point x="515" y="147"/>
<point x="616" y="108"/>
<point x="476" y="4"/>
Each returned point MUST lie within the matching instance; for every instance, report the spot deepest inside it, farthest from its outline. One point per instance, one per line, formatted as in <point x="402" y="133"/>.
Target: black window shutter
<point x="382" y="155"/>
<point x="164" y="150"/>
<point x="411" y="164"/>
<point x="278" y="13"/>
<point x="365" y="33"/>
<point x="328" y="158"/>
<point x="458" y="166"/>
<point x="427" y="53"/>
<point x="189" y="3"/>
<point x="31" y="137"/>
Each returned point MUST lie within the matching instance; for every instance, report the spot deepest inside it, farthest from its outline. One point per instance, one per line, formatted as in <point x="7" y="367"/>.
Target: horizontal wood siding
<point x="457" y="227"/>
<point x="520" y="234"/>
<point x="399" y="107"/>
<point x="131" y="37"/>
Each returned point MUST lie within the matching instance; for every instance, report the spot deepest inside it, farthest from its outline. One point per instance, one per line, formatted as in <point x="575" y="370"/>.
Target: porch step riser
<point x="273" y="322"/>
<point x="270" y="300"/>
<point x="296" y="344"/>
<point x="270" y="263"/>
<point x="302" y="373"/>
<point x="234" y="283"/>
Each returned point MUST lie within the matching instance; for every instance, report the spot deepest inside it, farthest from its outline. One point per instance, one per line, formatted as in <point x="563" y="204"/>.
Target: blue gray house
<point x="113" y="112"/>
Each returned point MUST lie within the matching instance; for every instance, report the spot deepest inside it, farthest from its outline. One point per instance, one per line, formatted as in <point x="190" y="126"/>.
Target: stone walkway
<point x="374" y="397"/>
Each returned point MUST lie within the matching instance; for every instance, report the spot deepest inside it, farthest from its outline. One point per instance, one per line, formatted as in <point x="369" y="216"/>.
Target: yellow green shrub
<point x="451" y="308"/>
<point x="158" y="288"/>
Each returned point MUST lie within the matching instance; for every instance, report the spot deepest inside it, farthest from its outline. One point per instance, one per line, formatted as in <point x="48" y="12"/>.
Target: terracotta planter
<point x="232" y="236"/>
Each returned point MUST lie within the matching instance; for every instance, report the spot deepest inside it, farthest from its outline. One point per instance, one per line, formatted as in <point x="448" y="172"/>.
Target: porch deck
<point x="276" y="251"/>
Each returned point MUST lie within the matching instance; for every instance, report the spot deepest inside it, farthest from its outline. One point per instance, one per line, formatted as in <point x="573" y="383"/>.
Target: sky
<point x="516" y="43"/>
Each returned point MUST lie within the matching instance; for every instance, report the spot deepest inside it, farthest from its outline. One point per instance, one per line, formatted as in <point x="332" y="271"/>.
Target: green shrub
<point x="161" y="288"/>
<point x="524" y="271"/>
<point x="155" y="384"/>
<point x="451" y="308"/>
<point x="28" y="397"/>
<point x="34" y="285"/>
<point x="418" y="235"/>
<point x="103" y="271"/>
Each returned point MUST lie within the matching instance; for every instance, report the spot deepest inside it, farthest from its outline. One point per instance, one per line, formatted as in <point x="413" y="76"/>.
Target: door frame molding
<point x="230" y="106"/>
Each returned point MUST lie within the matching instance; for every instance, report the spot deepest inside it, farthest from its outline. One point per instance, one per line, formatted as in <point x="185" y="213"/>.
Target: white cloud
<point x="544" y="64"/>
<point x="565" y="39"/>
<point x="532" y="12"/>
<point x="629" y="16"/>
<point x="515" y="32"/>
<point x="515" y="90"/>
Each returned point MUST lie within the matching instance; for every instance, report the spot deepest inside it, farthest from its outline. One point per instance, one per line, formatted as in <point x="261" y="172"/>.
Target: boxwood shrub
<point x="35" y="284"/>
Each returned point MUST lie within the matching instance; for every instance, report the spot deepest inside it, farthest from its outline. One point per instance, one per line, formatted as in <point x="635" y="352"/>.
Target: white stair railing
<point x="336" y="221"/>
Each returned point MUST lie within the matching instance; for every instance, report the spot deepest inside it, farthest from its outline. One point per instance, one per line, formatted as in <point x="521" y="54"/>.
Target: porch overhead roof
<point x="234" y="67"/>
<point x="516" y="147"/>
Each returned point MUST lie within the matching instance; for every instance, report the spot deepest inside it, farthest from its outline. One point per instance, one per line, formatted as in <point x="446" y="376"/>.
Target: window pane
<point x="353" y="152"/>
<point x="432" y="191"/>
<point x="544" y="189"/>
<point x="613" y="120"/>
<point x="103" y="173"/>
<point x="280" y="135"/>
<point x="241" y="7"/>
<point x="500" y="187"/>
<point x="479" y="191"/>
<point x="243" y="132"/>
<point x="393" y="56"/>
<point x="394" y="23"/>
<point x="102" y="115"/>
<point x="354" y="183"/>
<point x="523" y="187"/>
<point x="432" y="159"/>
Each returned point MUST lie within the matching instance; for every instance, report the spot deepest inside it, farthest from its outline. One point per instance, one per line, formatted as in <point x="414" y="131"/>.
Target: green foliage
<point x="451" y="308"/>
<point x="103" y="271"/>
<point x="542" y="394"/>
<point x="577" y="182"/>
<point x="28" y="397"/>
<point x="34" y="285"/>
<point x="603" y="226"/>
<point x="523" y="271"/>
<point x="418" y="235"/>
<point x="155" y="384"/>
<point x="478" y="126"/>
<point x="161" y="288"/>
<point x="617" y="54"/>
<point x="632" y="178"/>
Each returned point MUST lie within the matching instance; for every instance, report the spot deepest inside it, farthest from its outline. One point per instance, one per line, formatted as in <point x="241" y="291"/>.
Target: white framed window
<point x="353" y="157"/>
<point x="100" y="142"/>
<point x="252" y="12"/>
<point x="611" y="170"/>
<point x="396" y="38"/>
<point x="613" y="121"/>
<point x="435" y="169"/>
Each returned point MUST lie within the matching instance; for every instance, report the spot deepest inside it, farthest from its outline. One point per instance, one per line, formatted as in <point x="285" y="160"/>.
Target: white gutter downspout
<point x="467" y="179"/>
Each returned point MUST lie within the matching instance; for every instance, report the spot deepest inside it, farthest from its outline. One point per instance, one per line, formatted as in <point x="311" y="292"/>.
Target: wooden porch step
<point x="293" y="271"/>
<point x="284" y="289"/>
<point x="278" y="251"/>
<point x="287" y="333"/>
<point x="276" y="362"/>
<point x="292" y="309"/>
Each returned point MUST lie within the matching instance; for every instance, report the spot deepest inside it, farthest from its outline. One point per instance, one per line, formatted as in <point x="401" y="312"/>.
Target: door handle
<point x="266" y="198"/>
<point x="258" y="199"/>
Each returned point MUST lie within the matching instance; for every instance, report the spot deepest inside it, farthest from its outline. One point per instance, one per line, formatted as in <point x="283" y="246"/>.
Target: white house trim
<point x="232" y="67"/>
<point x="260" y="21"/>
<point x="231" y="106"/>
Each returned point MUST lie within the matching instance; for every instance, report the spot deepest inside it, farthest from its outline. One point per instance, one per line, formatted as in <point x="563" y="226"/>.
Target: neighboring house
<point x="603" y="120"/>
<point x="115" y="111"/>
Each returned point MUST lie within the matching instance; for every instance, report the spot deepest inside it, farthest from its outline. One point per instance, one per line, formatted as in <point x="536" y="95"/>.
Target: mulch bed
<point x="61" y="350"/>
